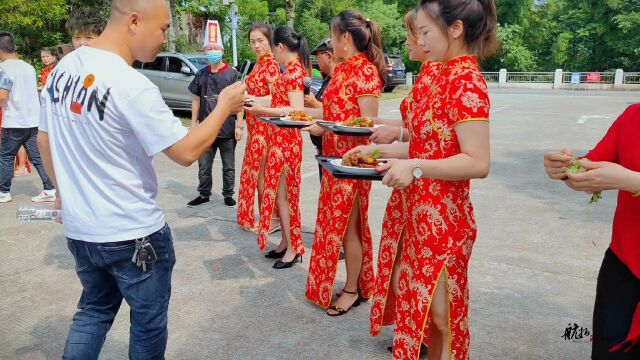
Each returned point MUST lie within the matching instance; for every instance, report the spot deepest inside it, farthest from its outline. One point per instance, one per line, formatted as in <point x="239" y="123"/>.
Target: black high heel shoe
<point x="340" y="311"/>
<point x="275" y="254"/>
<point x="287" y="264"/>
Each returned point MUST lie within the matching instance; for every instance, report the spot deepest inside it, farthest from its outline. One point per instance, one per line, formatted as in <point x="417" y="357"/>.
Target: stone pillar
<point x="557" y="79"/>
<point x="618" y="83"/>
<point x="502" y="78"/>
<point x="409" y="79"/>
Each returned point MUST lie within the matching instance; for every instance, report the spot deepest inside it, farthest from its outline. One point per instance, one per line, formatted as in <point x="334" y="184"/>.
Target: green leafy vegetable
<point x="576" y="168"/>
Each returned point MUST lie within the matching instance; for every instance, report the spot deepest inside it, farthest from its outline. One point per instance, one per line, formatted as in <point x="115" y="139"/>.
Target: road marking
<point x="584" y="118"/>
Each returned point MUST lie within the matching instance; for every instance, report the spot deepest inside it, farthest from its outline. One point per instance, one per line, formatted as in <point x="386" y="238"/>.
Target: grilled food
<point x="300" y="116"/>
<point x="364" y="122"/>
<point x="362" y="160"/>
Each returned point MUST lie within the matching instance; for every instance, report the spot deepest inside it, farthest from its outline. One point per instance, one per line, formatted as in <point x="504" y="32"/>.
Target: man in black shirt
<point x="324" y="54"/>
<point x="205" y="87"/>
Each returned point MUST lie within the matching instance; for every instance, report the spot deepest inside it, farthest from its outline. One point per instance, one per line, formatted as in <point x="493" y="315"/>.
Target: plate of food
<point x="358" y="164"/>
<point x="297" y="118"/>
<point x="359" y="125"/>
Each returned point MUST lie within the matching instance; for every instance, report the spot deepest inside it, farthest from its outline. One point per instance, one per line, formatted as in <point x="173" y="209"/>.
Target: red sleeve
<point x="294" y="79"/>
<point x="366" y="81"/>
<point x="468" y="99"/>
<point x="607" y="148"/>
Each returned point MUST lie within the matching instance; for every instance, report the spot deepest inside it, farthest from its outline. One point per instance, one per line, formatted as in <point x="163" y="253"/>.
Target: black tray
<point x="324" y="161"/>
<point x="277" y="121"/>
<point x="345" y="132"/>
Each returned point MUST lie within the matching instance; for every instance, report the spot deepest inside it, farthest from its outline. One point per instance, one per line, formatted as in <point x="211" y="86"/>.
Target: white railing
<point x="561" y="79"/>
<point x="632" y="78"/>
<point x="491" y="77"/>
<point x="530" y="77"/>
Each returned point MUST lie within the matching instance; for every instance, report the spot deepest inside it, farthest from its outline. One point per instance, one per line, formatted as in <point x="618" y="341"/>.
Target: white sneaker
<point x="5" y="197"/>
<point x="45" y="196"/>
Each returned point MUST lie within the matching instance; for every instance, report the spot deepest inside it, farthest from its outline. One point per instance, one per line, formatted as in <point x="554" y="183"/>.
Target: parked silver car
<point x="172" y="73"/>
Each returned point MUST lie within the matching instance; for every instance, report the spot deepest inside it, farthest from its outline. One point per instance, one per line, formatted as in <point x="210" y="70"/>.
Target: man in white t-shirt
<point x="102" y="124"/>
<point x="20" y="117"/>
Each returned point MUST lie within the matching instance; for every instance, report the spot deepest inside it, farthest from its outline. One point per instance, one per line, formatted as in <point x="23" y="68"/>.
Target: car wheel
<point x="389" y="89"/>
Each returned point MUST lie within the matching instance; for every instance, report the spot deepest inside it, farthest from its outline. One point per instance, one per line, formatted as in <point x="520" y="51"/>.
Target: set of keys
<point x="144" y="253"/>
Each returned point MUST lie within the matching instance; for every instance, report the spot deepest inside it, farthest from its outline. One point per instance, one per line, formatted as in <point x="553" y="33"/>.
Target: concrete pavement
<point x="532" y="273"/>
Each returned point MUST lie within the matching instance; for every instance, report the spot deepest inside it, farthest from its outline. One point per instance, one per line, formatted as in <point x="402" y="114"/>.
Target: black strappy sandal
<point x="340" y="311"/>
<point x="360" y="297"/>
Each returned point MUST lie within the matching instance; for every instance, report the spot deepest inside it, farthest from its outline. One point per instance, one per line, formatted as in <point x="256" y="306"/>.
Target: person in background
<point x="205" y="87"/>
<point x="326" y="63"/>
<point x="21" y="115"/>
<point x="84" y="26"/>
<point x="49" y="60"/>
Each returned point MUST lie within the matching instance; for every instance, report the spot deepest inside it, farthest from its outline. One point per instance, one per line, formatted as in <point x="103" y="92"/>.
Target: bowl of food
<point x="358" y="164"/>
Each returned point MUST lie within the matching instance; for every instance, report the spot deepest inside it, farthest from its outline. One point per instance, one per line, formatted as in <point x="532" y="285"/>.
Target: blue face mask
<point x="214" y="56"/>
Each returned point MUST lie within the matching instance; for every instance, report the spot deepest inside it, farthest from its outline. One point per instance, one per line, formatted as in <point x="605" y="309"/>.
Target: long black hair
<point x="366" y="37"/>
<point x="294" y="42"/>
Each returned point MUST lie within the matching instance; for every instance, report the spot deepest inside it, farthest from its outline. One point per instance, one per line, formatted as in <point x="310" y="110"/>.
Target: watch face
<point x="417" y="172"/>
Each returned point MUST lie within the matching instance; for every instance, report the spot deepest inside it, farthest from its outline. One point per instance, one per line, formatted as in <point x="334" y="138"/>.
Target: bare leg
<point x="22" y="161"/>
<point x="395" y="276"/>
<point x="274" y="214"/>
<point x="352" y="243"/>
<point x="282" y="203"/>
<point x="439" y="344"/>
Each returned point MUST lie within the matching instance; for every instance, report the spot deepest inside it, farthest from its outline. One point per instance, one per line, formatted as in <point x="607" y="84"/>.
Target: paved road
<point x="532" y="273"/>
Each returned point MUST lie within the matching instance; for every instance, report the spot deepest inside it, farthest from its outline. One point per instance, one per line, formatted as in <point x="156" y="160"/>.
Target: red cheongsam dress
<point x="441" y="228"/>
<point x="284" y="153"/>
<point x="383" y="309"/>
<point x="264" y="73"/>
<point x="353" y="78"/>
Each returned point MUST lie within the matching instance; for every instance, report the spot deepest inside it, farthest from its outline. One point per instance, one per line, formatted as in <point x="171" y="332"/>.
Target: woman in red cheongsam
<point x="342" y="220"/>
<point x="259" y="83"/>
<point x="284" y="154"/>
<point x="394" y="223"/>
<point x="448" y="146"/>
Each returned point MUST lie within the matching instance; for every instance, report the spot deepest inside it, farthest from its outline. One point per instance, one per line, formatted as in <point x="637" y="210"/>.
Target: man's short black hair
<point x="86" y="21"/>
<point x="7" y="42"/>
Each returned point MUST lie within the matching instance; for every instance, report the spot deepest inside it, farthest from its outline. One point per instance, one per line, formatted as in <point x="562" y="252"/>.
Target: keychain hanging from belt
<point x="144" y="253"/>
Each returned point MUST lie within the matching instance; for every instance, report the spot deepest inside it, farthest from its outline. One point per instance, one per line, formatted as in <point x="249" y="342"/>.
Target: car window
<point x="156" y="65"/>
<point x="199" y="62"/>
<point x="175" y="64"/>
<point x="397" y="62"/>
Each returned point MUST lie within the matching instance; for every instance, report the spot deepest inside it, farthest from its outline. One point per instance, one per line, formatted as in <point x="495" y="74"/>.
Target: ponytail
<point x="366" y="37"/>
<point x="303" y="54"/>
<point x="374" y="50"/>
<point x="294" y="42"/>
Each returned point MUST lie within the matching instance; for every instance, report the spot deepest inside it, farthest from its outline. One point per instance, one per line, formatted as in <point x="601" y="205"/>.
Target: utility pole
<point x="234" y="28"/>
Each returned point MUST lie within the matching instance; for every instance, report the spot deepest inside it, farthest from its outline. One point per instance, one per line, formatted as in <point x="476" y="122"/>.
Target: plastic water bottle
<point x="30" y="213"/>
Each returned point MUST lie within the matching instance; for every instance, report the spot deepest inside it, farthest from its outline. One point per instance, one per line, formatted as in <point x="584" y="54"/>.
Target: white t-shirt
<point x="22" y="110"/>
<point x="105" y="122"/>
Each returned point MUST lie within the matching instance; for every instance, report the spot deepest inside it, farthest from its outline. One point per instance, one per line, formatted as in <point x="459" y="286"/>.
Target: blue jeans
<point x="12" y="139"/>
<point x="107" y="276"/>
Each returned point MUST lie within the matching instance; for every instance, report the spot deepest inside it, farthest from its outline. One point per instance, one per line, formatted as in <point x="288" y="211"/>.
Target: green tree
<point x="34" y="23"/>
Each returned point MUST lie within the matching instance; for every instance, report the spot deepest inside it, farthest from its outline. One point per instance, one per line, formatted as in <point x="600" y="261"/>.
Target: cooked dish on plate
<point x="300" y="116"/>
<point x="362" y="160"/>
<point x="361" y="121"/>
